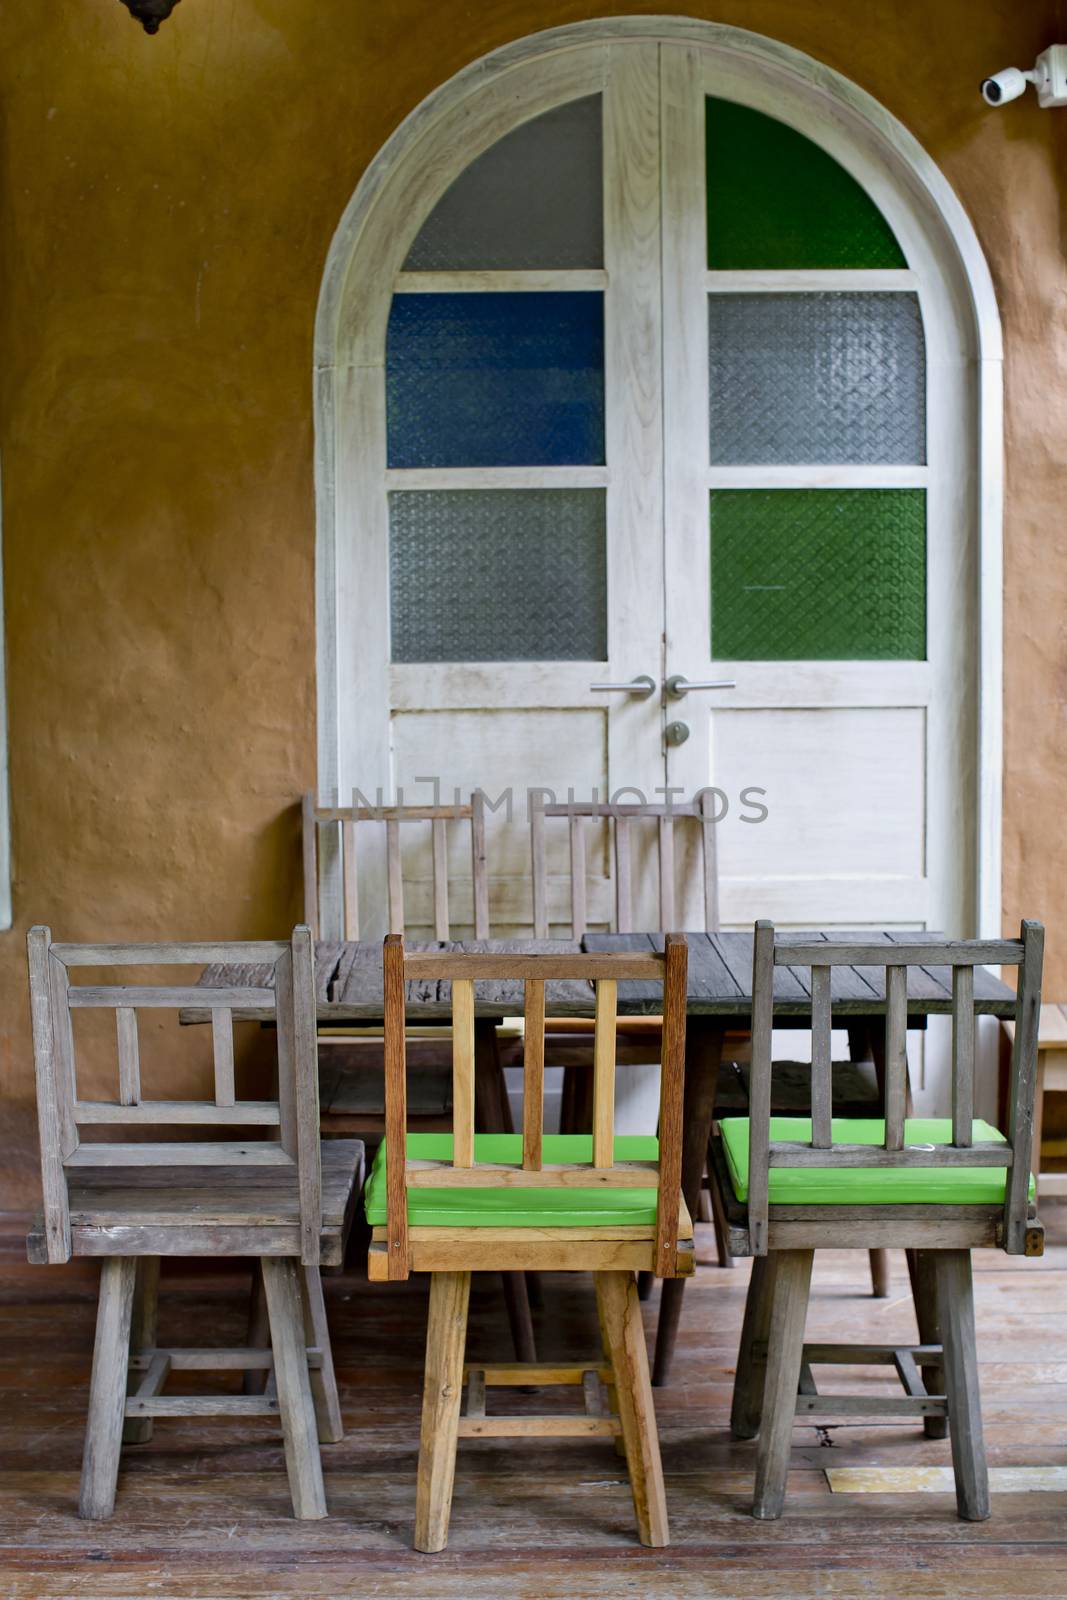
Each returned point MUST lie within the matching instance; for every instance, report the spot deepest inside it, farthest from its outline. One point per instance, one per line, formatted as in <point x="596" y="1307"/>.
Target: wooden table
<point x="349" y="985"/>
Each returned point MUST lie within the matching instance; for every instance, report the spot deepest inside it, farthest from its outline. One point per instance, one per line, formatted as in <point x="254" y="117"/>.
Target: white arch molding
<point x="465" y="116"/>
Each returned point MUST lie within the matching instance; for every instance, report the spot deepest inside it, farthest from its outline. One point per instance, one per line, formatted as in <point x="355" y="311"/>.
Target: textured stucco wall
<point x="166" y="205"/>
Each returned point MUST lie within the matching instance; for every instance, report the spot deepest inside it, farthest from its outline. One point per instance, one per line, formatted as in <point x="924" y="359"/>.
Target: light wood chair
<point x="280" y="1198"/>
<point x="592" y="1203"/>
<point x="935" y="1187"/>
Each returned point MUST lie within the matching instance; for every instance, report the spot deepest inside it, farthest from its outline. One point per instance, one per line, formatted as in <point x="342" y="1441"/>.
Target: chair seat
<point x="504" y="1207"/>
<point x="206" y="1210"/>
<point x="873" y="1186"/>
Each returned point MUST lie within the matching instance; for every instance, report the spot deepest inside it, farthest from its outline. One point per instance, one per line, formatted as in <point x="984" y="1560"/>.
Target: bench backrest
<point x="531" y="973"/>
<point x="961" y="956"/>
<point x="284" y="991"/>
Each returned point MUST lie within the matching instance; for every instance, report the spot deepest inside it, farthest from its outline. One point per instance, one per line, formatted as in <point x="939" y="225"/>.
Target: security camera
<point x="1005" y="86"/>
<point x="1049" y="76"/>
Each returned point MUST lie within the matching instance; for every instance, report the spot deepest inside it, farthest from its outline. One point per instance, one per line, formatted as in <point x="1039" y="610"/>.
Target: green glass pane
<point x="776" y="200"/>
<point x="818" y="574"/>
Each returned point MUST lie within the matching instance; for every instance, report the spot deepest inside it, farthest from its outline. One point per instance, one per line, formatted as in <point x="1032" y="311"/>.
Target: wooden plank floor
<point x="203" y="1509"/>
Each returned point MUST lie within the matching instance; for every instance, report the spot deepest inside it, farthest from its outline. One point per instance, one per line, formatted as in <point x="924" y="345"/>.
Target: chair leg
<point x="620" y="1313"/>
<point x="746" y="1411"/>
<point x="645" y="1282"/>
<point x="921" y="1270"/>
<point x="107" y="1389"/>
<point x="143" y="1336"/>
<point x="258" y="1334"/>
<point x="879" y="1274"/>
<point x="323" y="1378"/>
<point x="446" y="1338"/>
<point x="785" y="1351"/>
<point x="281" y="1281"/>
<point x="718" y="1217"/>
<point x="955" y="1305"/>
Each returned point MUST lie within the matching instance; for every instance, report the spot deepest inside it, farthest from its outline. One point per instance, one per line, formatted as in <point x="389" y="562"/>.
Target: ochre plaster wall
<point x="166" y="205"/>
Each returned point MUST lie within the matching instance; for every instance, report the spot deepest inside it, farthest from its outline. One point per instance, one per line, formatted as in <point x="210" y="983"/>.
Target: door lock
<point x="676" y="733"/>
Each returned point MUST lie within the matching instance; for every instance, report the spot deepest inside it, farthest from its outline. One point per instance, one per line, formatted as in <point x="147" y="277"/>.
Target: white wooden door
<point x="769" y="495"/>
<point x="816" y="530"/>
<point x="525" y="560"/>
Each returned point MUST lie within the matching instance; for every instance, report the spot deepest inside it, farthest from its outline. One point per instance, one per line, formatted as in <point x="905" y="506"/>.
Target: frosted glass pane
<point x="495" y="380"/>
<point x="816" y="378"/>
<point x="498" y="575"/>
<point x="775" y="199"/>
<point x="534" y="199"/>
<point x="818" y="574"/>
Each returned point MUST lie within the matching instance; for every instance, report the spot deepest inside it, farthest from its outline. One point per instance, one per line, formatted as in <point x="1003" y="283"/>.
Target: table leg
<point x="703" y="1053"/>
<point x="493" y="1115"/>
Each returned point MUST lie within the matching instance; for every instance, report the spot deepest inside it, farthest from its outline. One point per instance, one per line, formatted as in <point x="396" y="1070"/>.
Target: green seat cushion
<point x="502" y="1207"/>
<point x="868" y="1186"/>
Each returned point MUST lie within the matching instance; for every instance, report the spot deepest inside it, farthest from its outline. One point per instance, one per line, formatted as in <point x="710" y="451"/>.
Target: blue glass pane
<point x="495" y="380"/>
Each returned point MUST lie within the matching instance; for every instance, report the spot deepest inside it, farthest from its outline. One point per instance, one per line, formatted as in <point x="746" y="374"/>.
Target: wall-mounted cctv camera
<point x="1049" y="77"/>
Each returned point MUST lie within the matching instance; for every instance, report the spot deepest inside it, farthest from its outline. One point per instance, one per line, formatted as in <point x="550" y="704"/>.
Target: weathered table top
<point x="349" y="980"/>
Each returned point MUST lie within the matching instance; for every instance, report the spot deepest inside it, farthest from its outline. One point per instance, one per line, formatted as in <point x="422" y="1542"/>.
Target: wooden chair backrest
<point x="287" y="991"/>
<point x="962" y="956"/>
<point x="347" y="818"/>
<point x="621" y="819"/>
<point x="533" y="972"/>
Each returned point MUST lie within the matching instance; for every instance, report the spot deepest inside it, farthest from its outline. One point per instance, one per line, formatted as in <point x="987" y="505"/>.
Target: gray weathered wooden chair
<point x="936" y="1187"/>
<point x="352" y="1058"/>
<point x="455" y="1204"/>
<point x="280" y="1198"/>
<point x="349" y="823"/>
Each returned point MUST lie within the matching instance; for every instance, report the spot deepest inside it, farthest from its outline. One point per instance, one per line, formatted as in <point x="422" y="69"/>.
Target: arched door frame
<point x="410" y="173"/>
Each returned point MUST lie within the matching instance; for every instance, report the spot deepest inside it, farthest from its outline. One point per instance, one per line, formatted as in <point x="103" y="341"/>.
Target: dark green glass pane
<point x="818" y="574"/>
<point x="776" y="200"/>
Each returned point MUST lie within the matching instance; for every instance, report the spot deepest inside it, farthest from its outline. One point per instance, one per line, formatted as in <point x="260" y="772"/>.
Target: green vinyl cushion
<point x="868" y="1186"/>
<point x="519" y="1208"/>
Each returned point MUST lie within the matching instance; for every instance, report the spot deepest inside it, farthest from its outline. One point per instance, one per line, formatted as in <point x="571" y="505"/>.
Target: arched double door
<point x="652" y="372"/>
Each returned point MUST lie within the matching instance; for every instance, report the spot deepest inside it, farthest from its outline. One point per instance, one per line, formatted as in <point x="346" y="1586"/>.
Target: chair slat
<point x="396" y="1108"/>
<point x="50" y="1116"/>
<point x="463" y="1072"/>
<point x="306" y="1095"/>
<point x="607" y="994"/>
<point x="821" y="1068"/>
<point x="538" y="872"/>
<point x="666" y="871"/>
<point x="896" y="1055"/>
<point x="129" y="1055"/>
<point x="349" y="879"/>
<point x="479" y="866"/>
<point x="439" y="835"/>
<point x="309" y="836"/>
<point x="710" y="843"/>
<point x="576" y="824"/>
<point x="671" y="1098"/>
<point x="624" y="891"/>
<point x="167" y="997"/>
<point x="533" y="1074"/>
<point x="395" y="875"/>
<point x="759" y="1112"/>
<point x="962" y="1055"/>
<point x="1023" y="1080"/>
<point x="222" y="1045"/>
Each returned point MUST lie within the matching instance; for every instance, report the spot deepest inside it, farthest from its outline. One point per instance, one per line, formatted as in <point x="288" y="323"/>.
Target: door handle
<point x="642" y="687"/>
<point x="677" y="686"/>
